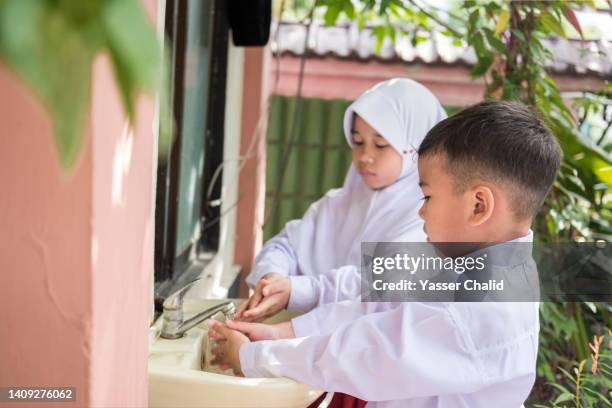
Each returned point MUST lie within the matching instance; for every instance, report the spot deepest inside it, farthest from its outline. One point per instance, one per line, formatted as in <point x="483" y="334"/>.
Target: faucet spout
<point x="174" y="326"/>
<point x="227" y="308"/>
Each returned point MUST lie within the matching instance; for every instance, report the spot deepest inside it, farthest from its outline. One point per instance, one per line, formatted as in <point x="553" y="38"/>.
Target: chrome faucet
<point x="173" y="325"/>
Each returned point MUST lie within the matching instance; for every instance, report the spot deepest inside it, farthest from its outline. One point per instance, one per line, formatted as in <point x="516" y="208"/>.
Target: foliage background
<point x="507" y="38"/>
<point x="47" y="42"/>
<point x="51" y="44"/>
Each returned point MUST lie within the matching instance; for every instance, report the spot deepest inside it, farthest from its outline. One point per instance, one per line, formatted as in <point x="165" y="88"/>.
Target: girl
<point x="379" y="200"/>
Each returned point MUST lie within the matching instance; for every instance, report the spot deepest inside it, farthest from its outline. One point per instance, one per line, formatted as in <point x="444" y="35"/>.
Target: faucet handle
<point x="175" y="300"/>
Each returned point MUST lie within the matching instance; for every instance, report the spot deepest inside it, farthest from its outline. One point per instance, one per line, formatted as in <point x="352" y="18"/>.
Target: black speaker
<point x="250" y="22"/>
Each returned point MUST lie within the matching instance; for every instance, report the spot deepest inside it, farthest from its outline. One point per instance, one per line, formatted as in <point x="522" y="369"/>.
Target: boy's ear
<point x="483" y="203"/>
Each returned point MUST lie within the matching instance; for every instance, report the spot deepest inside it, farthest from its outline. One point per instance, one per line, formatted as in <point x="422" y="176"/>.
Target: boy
<point x="484" y="174"/>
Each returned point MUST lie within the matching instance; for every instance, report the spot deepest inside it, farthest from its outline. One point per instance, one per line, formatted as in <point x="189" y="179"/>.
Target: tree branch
<point x="437" y="20"/>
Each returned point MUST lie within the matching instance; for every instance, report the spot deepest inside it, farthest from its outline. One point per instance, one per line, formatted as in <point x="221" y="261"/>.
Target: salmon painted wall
<point x="76" y="248"/>
<point x="338" y="78"/>
<point x="45" y="257"/>
<point x="121" y="247"/>
<point x="252" y="180"/>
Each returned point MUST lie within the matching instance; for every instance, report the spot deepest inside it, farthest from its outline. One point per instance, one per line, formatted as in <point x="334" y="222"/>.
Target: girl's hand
<point x="271" y="296"/>
<point x="257" y="294"/>
<point x="252" y="301"/>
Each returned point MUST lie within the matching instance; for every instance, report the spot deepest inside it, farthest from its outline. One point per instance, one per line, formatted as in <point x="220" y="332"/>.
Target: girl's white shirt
<point x="330" y="233"/>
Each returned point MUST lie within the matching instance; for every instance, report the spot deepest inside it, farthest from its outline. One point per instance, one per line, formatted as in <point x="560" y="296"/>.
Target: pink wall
<point x="121" y="247"/>
<point x="76" y="248"/>
<point x="45" y="257"/>
<point x="251" y="183"/>
<point x="331" y="78"/>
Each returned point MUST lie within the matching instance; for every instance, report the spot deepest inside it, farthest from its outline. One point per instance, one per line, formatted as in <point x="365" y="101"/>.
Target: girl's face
<point x="378" y="163"/>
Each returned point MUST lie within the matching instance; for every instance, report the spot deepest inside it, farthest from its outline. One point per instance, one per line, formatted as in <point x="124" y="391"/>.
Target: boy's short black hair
<point x="499" y="141"/>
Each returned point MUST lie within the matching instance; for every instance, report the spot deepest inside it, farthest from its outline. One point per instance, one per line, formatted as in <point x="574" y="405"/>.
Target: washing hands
<point x="271" y="296"/>
<point x="232" y="335"/>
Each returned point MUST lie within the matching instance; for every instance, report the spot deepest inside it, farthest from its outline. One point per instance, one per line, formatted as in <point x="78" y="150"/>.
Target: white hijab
<point x="330" y="233"/>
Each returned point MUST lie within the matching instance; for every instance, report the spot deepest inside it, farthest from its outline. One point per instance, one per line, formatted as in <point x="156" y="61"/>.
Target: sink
<point x="180" y="374"/>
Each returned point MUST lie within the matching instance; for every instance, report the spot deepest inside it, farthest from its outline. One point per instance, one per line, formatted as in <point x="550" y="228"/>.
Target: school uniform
<point x="444" y="354"/>
<point x="332" y="229"/>
<point x="344" y="283"/>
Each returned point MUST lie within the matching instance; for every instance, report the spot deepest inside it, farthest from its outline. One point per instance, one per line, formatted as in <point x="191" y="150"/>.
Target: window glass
<point x="195" y="106"/>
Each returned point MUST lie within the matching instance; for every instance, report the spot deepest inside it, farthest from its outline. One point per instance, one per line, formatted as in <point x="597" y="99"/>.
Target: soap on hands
<point x="271" y="296"/>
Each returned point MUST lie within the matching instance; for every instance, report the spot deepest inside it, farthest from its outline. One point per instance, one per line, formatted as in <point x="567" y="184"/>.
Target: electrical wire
<point x="294" y="120"/>
<point x="254" y="142"/>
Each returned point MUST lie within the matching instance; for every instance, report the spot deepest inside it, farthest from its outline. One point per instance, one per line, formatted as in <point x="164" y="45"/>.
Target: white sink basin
<point x="180" y="376"/>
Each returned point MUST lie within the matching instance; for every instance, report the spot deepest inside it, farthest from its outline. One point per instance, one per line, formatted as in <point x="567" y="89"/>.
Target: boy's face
<point x="378" y="163"/>
<point x="445" y="212"/>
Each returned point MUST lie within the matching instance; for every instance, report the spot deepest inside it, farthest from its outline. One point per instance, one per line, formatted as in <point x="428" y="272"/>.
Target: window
<point x="187" y="233"/>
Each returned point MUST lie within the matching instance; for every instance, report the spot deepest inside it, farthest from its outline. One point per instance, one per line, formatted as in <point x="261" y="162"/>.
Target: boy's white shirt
<point x="331" y="231"/>
<point x="308" y="292"/>
<point x="409" y="354"/>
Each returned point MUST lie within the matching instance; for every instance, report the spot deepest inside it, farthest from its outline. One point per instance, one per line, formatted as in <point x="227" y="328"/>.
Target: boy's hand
<point x="271" y="296"/>
<point x="260" y="331"/>
<point x="227" y="353"/>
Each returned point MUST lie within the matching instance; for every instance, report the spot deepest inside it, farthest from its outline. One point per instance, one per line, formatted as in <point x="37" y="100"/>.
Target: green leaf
<point x="391" y="33"/>
<point x="519" y="35"/>
<point x="577" y="182"/>
<point x="566" y="396"/>
<point x="47" y="54"/>
<point x="473" y="18"/>
<point x="360" y="21"/>
<point x="349" y="10"/>
<point x="485" y="58"/>
<point x="482" y="66"/>
<point x="331" y="14"/>
<point x="559" y="387"/>
<point x="593" y="159"/>
<point x="379" y="33"/>
<point x="133" y="48"/>
<point x="422" y="19"/>
<point x="495" y="42"/>
<point x="51" y="46"/>
<point x="479" y="46"/>
<point x="383" y="6"/>
<point x="419" y="39"/>
<point x="552" y="24"/>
